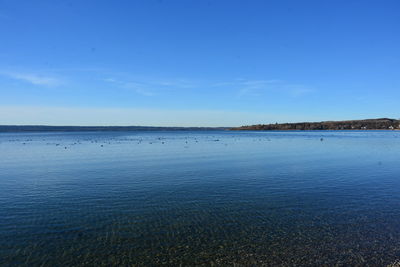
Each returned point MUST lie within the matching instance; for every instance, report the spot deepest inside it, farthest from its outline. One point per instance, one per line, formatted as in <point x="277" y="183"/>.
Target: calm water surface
<point x="200" y="198"/>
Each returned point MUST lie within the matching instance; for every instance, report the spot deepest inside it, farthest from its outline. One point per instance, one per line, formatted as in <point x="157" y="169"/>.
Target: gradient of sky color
<point x="198" y="63"/>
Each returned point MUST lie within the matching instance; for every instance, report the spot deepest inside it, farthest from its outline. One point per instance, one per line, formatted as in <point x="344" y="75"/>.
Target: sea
<point x="200" y="198"/>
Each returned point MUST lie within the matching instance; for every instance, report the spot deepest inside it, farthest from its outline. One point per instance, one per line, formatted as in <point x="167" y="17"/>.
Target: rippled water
<point x="200" y="198"/>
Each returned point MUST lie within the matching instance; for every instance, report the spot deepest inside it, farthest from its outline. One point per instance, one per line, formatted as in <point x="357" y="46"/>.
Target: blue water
<point x="200" y="198"/>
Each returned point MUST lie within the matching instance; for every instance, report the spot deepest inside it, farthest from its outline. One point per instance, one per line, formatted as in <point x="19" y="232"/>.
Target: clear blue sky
<point x="204" y="63"/>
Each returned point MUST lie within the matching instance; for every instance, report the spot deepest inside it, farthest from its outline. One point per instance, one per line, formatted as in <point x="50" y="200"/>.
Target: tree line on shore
<point x="369" y="124"/>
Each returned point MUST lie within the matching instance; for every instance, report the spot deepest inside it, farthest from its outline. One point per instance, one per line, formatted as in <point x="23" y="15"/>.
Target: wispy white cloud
<point x="244" y="82"/>
<point x="150" y="87"/>
<point x="35" y="79"/>
<point x="137" y="87"/>
<point x="255" y="87"/>
<point x="300" y="90"/>
<point x="245" y="87"/>
<point x="177" y="83"/>
<point x="239" y="87"/>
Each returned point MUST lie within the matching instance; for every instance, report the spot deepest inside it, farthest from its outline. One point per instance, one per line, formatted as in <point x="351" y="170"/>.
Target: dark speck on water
<point x="151" y="198"/>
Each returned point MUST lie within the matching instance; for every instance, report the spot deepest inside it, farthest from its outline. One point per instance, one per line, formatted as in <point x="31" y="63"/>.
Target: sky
<point x="198" y="63"/>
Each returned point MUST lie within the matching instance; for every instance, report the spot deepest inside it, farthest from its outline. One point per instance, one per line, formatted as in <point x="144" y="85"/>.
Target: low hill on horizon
<point x="367" y="124"/>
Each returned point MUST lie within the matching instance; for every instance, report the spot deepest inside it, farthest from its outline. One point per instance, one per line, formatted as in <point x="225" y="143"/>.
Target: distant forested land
<point x="370" y="124"/>
<point x="40" y="128"/>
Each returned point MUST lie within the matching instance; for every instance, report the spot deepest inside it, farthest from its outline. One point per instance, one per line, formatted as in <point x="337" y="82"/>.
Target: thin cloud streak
<point x="261" y="87"/>
<point x="135" y="86"/>
<point x="150" y="87"/>
<point x="34" y="79"/>
<point x="239" y="88"/>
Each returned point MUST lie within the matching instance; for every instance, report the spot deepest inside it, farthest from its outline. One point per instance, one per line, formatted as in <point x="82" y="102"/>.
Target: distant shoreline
<point x="48" y="128"/>
<point x="368" y="124"/>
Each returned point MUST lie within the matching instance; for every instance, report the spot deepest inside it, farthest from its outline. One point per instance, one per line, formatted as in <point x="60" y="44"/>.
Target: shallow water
<point x="200" y="198"/>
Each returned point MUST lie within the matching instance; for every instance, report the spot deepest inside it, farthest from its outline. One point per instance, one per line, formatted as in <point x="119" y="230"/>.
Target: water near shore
<point x="200" y="198"/>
